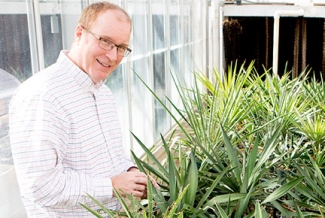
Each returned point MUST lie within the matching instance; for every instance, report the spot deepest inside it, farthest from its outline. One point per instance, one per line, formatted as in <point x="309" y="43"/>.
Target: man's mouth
<point x="104" y="65"/>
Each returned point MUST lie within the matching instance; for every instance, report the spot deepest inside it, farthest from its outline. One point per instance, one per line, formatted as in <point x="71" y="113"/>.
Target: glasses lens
<point x="120" y="51"/>
<point x="108" y="45"/>
<point x="105" y="44"/>
<point x="126" y="53"/>
<point x="123" y="52"/>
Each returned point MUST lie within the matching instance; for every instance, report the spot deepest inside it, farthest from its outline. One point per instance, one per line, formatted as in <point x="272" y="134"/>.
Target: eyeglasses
<point x="108" y="45"/>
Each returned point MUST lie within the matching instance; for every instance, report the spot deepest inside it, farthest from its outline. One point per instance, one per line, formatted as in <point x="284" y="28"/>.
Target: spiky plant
<point x="242" y="151"/>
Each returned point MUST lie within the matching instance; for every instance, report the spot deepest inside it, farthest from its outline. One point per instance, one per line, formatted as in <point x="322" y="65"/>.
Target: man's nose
<point x="112" y="54"/>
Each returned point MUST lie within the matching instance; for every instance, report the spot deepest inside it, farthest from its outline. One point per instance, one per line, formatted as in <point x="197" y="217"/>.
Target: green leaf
<point x="175" y="205"/>
<point x="100" y="205"/>
<point x="232" y="155"/>
<point x="282" y="190"/>
<point x="222" y="213"/>
<point x="206" y="196"/>
<point x="150" y="198"/>
<point x="151" y="156"/>
<point x="225" y="198"/>
<point x="173" y="175"/>
<point x="92" y="211"/>
<point x="160" y="200"/>
<point x="124" y="205"/>
<point x="191" y="180"/>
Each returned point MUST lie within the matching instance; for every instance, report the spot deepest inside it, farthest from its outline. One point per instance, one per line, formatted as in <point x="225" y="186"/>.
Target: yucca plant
<point x="315" y="93"/>
<point x="308" y="195"/>
<point x="225" y="104"/>
<point x="280" y="99"/>
<point x="312" y="126"/>
<point x="206" y="194"/>
<point x="241" y="151"/>
<point x="134" y="208"/>
<point x="243" y="164"/>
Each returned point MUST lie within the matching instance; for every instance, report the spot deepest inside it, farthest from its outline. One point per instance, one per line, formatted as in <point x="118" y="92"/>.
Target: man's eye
<point x="105" y="41"/>
<point x="122" y="48"/>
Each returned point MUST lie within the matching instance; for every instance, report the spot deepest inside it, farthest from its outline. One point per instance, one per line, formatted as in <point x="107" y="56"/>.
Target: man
<point x="64" y="131"/>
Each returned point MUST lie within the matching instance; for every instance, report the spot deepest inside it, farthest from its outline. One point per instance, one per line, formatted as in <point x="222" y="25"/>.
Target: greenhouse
<point x="219" y="102"/>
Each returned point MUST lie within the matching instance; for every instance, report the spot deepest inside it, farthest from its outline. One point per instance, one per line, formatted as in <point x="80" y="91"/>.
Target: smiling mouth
<point x="104" y="65"/>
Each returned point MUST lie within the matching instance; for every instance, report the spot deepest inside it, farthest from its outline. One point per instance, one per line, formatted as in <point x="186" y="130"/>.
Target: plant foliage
<point x="251" y="145"/>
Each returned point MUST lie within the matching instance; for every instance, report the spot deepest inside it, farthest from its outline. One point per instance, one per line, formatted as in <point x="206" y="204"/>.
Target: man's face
<point x="97" y="62"/>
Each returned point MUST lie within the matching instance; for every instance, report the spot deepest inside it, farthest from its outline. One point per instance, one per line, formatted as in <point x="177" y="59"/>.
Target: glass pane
<point x="140" y="28"/>
<point x="14" y="45"/>
<point x="117" y="84"/>
<point x="177" y="72"/>
<point x="52" y="37"/>
<point x="175" y="26"/>
<point x="187" y="23"/>
<point x="159" y="73"/>
<point x="160" y="90"/>
<point x="188" y="73"/>
<point x="142" y="116"/>
<point x="70" y="11"/>
<point x="160" y="119"/>
<point x="174" y="62"/>
<point x="158" y="24"/>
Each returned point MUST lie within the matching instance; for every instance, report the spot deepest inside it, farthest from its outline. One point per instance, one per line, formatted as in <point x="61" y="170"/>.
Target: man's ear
<point x="78" y="32"/>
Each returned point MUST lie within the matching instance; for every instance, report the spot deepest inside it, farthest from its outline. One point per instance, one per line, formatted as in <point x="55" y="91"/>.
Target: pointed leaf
<point x="282" y="190"/>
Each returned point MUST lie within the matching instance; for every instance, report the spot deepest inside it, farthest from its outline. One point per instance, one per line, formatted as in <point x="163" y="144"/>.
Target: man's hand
<point x="153" y="181"/>
<point x="132" y="182"/>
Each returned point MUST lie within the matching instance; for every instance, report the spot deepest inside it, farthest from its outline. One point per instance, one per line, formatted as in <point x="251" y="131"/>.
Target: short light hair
<point x="90" y="13"/>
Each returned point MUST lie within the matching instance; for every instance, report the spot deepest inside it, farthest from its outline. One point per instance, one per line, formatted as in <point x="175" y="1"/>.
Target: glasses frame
<point x="125" y="53"/>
